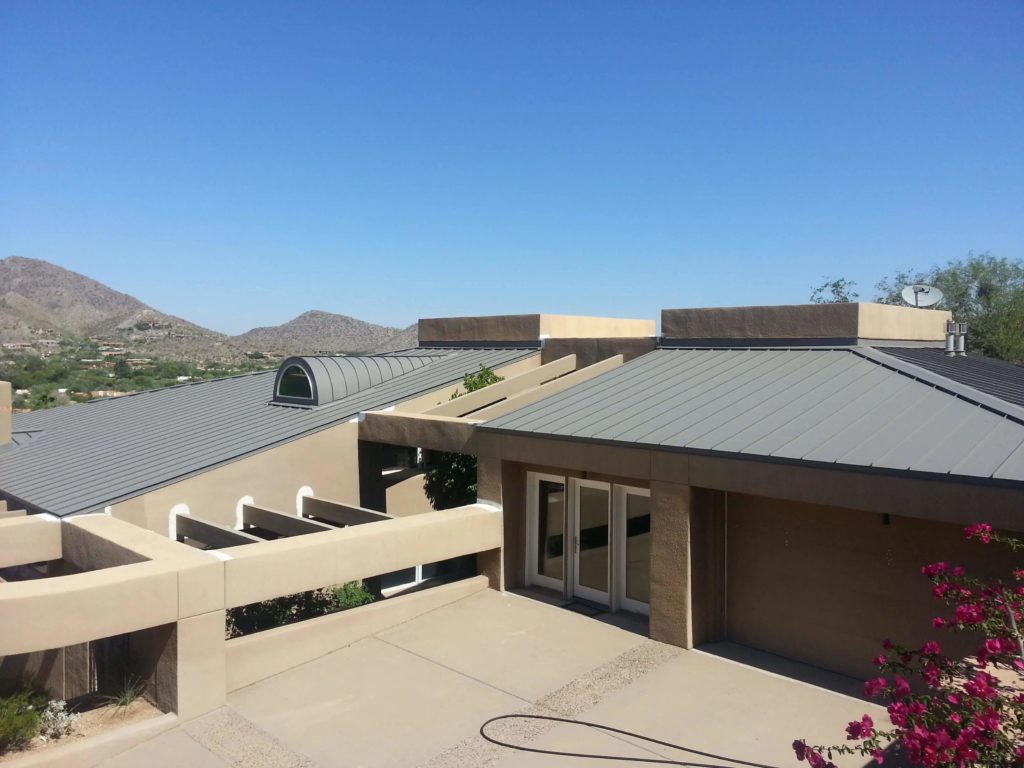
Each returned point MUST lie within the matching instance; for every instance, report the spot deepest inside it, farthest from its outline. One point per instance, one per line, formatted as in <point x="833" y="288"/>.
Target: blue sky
<point x="239" y="163"/>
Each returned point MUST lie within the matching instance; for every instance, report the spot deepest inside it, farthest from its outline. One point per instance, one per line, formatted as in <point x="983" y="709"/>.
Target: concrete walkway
<point x="416" y="695"/>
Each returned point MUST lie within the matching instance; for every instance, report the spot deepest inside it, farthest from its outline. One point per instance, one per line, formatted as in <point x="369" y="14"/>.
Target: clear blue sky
<point x="238" y="163"/>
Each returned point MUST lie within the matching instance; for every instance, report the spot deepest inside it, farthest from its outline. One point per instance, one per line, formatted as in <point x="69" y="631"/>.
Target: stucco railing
<point x="67" y="610"/>
<point x="287" y="566"/>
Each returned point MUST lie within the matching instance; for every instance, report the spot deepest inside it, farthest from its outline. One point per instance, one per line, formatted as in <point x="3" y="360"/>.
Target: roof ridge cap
<point x="938" y="381"/>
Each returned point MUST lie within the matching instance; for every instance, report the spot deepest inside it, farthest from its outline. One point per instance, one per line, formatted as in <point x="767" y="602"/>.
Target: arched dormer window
<point x="295" y="383"/>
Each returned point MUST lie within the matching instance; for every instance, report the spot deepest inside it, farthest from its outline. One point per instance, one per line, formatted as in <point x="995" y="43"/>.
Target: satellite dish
<point x="921" y="295"/>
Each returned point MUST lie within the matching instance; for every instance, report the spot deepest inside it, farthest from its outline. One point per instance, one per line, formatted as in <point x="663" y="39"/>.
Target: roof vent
<point x="314" y="381"/>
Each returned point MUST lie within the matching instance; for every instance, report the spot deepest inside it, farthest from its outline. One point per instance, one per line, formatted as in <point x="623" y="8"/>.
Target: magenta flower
<point x="861" y="729"/>
<point x="981" y="531"/>
<point x="874" y="688"/>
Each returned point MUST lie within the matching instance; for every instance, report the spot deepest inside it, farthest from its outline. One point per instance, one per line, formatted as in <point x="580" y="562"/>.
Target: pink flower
<point x="900" y="687"/>
<point x="931" y="648"/>
<point x="981" y="531"/>
<point x="935" y="569"/>
<point x="873" y="688"/>
<point x="971" y="613"/>
<point x="860" y="729"/>
<point x="879" y="660"/>
<point x="878" y="755"/>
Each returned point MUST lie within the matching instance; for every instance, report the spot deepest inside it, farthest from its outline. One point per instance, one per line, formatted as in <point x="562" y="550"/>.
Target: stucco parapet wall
<point x="529" y="328"/>
<point x="435" y="433"/>
<point x="67" y="610"/>
<point x="26" y="540"/>
<point x="286" y="566"/>
<point x="200" y="574"/>
<point x="882" y="322"/>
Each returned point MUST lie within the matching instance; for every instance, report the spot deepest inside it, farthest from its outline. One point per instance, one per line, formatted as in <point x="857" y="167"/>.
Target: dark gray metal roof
<point x="84" y="457"/>
<point x="995" y="377"/>
<point x="332" y="378"/>
<point x="834" y="407"/>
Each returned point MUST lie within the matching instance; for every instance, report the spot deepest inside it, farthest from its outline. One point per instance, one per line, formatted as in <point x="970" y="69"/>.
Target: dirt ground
<point x="93" y="721"/>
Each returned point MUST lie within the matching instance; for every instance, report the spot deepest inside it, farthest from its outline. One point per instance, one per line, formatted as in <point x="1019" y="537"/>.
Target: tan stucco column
<point x="671" y="620"/>
<point x="488" y="490"/>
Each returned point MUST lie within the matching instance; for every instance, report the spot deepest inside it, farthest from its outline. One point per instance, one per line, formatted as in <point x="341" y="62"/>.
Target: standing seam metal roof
<point x="809" y="405"/>
<point x="995" y="377"/>
<point x="84" y="457"/>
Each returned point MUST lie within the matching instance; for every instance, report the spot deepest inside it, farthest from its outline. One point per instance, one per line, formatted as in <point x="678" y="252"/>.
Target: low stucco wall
<point x="326" y="462"/>
<point x="287" y="566"/>
<point x="261" y="655"/>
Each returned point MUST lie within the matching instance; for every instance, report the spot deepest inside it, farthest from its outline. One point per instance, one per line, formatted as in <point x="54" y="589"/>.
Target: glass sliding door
<point x="592" y="531"/>
<point x="633" y="549"/>
<point x="546" y="554"/>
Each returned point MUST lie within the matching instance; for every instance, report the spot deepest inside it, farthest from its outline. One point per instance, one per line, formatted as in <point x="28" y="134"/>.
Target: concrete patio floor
<point x="416" y="695"/>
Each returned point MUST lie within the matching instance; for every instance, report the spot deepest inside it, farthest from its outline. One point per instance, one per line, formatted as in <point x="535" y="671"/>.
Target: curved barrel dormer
<point x="315" y="381"/>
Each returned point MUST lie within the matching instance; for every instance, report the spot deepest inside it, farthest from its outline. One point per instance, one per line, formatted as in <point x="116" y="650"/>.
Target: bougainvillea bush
<point x="959" y="713"/>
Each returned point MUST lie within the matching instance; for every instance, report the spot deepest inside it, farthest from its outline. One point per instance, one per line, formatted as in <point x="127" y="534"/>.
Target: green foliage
<point x="129" y="689"/>
<point x="451" y="481"/>
<point x="20" y="712"/>
<point x="351" y="595"/>
<point x="289" y="609"/>
<point x="838" y="291"/>
<point x="984" y="291"/>
<point x="474" y="381"/>
<point x="65" y="369"/>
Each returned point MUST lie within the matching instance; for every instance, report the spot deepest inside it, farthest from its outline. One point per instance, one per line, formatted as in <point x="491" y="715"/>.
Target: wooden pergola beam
<point x="213" y="535"/>
<point x="546" y="390"/>
<point x="279" y="522"/>
<point x="482" y="398"/>
<point x="337" y="513"/>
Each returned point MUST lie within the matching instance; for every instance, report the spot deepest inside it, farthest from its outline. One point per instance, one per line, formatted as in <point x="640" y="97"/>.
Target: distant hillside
<point x="40" y="300"/>
<point x="316" y="331"/>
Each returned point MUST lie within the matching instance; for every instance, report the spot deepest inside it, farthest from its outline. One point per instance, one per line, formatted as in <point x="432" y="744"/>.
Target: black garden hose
<point x="730" y="761"/>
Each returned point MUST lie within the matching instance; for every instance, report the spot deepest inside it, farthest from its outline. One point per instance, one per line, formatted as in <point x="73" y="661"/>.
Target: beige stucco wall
<point x="806" y="321"/>
<point x="406" y="496"/>
<point x="325" y="461"/>
<point x="827" y="585"/>
<point x="886" y="321"/>
<point x="578" y="327"/>
<point x="26" y="540"/>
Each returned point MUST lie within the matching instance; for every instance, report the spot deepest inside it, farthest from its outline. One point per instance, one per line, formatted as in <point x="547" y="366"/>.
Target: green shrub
<point x="268" y="614"/>
<point x="19" y="718"/>
<point x="351" y="595"/>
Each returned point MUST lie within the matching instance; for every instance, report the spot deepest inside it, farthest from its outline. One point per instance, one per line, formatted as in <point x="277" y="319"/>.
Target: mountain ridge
<point x="39" y="299"/>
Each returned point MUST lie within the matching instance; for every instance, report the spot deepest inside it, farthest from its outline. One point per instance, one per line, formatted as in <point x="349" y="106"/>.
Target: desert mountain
<point x="316" y="331"/>
<point x="41" y="300"/>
